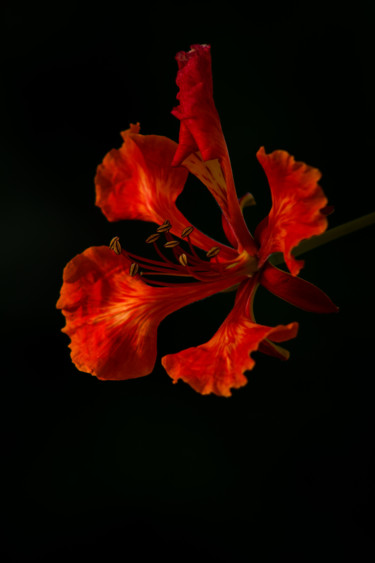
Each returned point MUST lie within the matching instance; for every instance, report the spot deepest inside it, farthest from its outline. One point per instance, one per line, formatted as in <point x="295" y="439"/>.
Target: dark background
<point x="141" y="469"/>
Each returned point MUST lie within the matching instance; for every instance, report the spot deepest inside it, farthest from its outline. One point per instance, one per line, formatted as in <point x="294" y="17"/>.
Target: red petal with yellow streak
<point x="297" y="204"/>
<point x="219" y="365"/>
<point x="296" y="291"/>
<point x="112" y="318"/>
<point x="202" y="148"/>
<point x="137" y="181"/>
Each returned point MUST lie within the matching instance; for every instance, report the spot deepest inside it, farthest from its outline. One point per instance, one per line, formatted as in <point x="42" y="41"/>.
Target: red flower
<point x="113" y="301"/>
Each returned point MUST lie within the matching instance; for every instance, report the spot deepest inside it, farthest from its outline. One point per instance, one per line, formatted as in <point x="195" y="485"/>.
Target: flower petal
<point x="202" y="148"/>
<point x="217" y="177"/>
<point x="296" y="291"/>
<point x="246" y="200"/>
<point x="211" y="175"/>
<point x="137" y="181"/>
<point x="112" y="317"/>
<point x="218" y="365"/>
<point x="201" y="127"/>
<point x="297" y="201"/>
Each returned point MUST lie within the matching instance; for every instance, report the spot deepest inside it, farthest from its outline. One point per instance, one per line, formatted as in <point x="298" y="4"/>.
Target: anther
<point x="115" y="245"/>
<point x="164" y="228"/>
<point x="186" y="232"/>
<point x="152" y="238"/>
<point x="183" y="259"/>
<point x="133" y="270"/>
<point x="214" y="251"/>
<point x="171" y="244"/>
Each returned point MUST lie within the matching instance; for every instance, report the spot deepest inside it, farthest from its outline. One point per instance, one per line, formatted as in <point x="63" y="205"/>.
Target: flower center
<point x="183" y="260"/>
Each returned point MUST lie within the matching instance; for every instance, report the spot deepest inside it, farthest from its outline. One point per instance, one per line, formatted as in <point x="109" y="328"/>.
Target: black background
<point x="135" y="470"/>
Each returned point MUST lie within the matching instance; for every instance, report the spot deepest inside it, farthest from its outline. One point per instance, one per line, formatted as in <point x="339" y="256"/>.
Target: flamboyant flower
<point x="113" y="301"/>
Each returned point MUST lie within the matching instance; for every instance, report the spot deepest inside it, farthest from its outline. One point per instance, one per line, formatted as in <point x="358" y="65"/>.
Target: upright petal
<point x="137" y="181"/>
<point x="202" y="148"/>
<point x="112" y="317"/>
<point x="200" y="123"/>
<point x="297" y="204"/>
<point x="219" y="365"/>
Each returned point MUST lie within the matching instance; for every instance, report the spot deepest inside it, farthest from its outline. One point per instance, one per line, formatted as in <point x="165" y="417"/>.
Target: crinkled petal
<point x="202" y="148"/>
<point x="296" y="291"/>
<point x="137" y="181"/>
<point x="297" y="201"/>
<point x="219" y="365"/>
<point x="112" y="317"/>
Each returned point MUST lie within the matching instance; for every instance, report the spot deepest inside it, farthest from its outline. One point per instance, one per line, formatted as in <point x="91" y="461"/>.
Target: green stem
<point x="328" y="236"/>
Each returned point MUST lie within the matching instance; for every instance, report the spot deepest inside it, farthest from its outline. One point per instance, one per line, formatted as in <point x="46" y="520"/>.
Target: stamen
<point x="187" y="231"/>
<point x="154" y="264"/>
<point x="165" y="227"/>
<point x="162" y="256"/>
<point x="201" y="275"/>
<point x="183" y="264"/>
<point x="171" y="244"/>
<point x="115" y="245"/>
<point x="183" y="259"/>
<point x="189" y="243"/>
<point x="133" y="270"/>
<point x="214" y="251"/>
<point x="152" y="238"/>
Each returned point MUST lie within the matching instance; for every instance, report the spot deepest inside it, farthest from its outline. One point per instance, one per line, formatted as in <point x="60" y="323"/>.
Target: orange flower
<point x="113" y="301"/>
